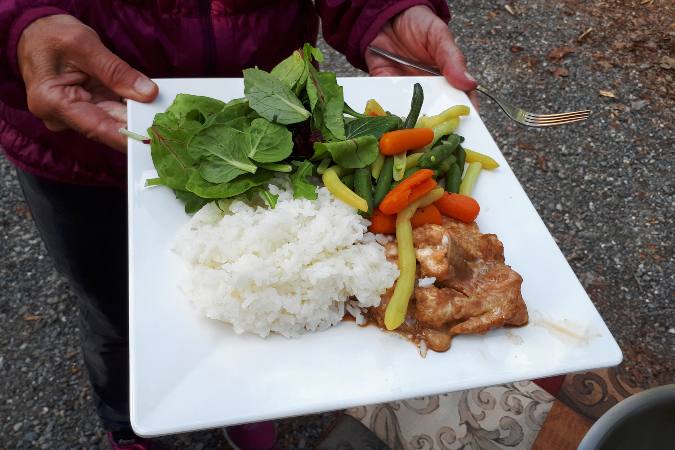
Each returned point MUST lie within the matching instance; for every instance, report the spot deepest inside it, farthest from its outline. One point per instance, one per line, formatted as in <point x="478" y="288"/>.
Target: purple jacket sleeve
<point x="15" y="16"/>
<point x="350" y="25"/>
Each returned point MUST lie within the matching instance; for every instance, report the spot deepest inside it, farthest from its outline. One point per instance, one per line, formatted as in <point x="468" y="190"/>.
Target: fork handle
<point x="433" y="70"/>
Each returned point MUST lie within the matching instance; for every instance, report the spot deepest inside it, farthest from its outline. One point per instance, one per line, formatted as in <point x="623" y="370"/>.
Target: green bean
<point x="364" y="188"/>
<point x="384" y="180"/>
<point x="415" y="106"/>
<point x="445" y="165"/>
<point x="409" y="172"/>
<point x="453" y="178"/>
<point x="397" y="307"/>
<point x="461" y="158"/>
<point x="431" y="159"/>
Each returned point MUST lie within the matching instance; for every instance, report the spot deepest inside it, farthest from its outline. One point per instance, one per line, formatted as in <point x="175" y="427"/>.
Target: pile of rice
<point x="288" y="270"/>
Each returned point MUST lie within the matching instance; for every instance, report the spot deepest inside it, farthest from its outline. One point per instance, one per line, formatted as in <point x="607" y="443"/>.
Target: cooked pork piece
<point x="493" y="300"/>
<point x="474" y="291"/>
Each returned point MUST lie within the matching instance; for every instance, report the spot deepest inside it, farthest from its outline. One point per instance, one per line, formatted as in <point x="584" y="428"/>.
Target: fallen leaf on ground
<point x="609" y="94"/>
<point x="31" y="318"/>
<point x="559" y="71"/>
<point x="559" y="53"/>
<point x="667" y="62"/>
<point x="516" y="48"/>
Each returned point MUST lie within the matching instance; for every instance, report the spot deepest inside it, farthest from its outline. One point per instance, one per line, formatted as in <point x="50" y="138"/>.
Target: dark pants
<point x="85" y="232"/>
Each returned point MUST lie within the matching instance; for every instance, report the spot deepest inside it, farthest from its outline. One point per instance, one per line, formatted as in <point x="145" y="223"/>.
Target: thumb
<point x="118" y="76"/>
<point x="451" y="61"/>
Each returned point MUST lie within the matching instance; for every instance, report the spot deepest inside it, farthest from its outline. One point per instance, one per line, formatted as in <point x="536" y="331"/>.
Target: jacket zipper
<point x="209" y="37"/>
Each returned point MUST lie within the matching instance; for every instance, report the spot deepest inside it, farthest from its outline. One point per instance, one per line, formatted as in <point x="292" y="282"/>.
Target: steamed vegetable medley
<point x="400" y="173"/>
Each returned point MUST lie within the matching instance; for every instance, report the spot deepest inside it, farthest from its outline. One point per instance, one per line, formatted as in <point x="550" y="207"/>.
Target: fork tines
<point x="549" y="120"/>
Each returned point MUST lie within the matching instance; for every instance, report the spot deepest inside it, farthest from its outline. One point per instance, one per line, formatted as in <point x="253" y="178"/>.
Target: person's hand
<point x="74" y="82"/>
<point x="419" y="34"/>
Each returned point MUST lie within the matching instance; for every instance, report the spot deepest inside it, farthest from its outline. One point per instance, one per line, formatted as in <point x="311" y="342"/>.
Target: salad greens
<point x="206" y="149"/>
<point x="351" y="154"/>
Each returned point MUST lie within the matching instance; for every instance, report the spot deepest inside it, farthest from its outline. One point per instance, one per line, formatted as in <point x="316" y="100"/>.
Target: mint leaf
<point x="302" y="188"/>
<point x="272" y="99"/>
<point x="351" y="154"/>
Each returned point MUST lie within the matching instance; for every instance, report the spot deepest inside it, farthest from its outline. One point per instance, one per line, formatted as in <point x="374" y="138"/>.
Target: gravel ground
<point x="603" y="188"/>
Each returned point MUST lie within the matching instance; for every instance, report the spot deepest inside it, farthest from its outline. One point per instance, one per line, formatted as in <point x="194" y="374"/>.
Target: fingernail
<point x="144" y="86"/>
<point x="468" y="75"/>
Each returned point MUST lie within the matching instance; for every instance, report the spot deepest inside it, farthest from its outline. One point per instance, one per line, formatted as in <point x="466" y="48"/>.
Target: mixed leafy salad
<point x="206" y="149"/>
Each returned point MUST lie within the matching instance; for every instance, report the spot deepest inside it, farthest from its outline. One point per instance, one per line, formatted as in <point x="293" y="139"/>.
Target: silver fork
<point x="517" y="114"/>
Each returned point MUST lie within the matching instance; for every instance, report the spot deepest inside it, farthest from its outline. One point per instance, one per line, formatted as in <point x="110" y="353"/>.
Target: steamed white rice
<point x="288" y="270"/>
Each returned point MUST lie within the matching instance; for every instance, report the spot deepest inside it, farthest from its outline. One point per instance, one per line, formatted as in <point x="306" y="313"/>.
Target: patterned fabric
<point x="498" y="417"/>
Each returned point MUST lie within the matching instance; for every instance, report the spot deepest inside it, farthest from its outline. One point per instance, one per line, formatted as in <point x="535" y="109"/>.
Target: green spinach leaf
<point x="292" y="71"/>
<point x="268" y="142"/>
<point x="310" y="52"/>
<point x="326" y="101"/>
<point x="168" y="149"/>
<point x="197" y="185"/>
<point x="193" y="203"/>
<point x="221" y="151"/>
<point x="192" y="106"/>
<point x="272" y="99"/>
<point x="350" y="154"/>
<point x="371" y="126"/>
<point x="236" y="114"/>
<point x="302" y="187"/>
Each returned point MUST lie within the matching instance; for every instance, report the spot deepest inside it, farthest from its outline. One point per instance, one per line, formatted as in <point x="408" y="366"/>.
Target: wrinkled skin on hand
<point x="74" y="82"/>
<point x="419" y="34"/>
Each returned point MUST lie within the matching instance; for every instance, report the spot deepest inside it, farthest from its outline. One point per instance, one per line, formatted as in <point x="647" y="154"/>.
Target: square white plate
<point x="189" y="372"/>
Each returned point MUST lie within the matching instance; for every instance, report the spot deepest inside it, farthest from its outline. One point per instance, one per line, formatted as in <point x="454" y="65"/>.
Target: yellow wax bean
<point x="396" y="310"/>
<point x="376" y="167"/>
<point x="412" y="160"/>
<point x="470" y="178"/>
<point x="450" y="113"/>
<point x="331" y="179"/>
<point x="487" y="162"/>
